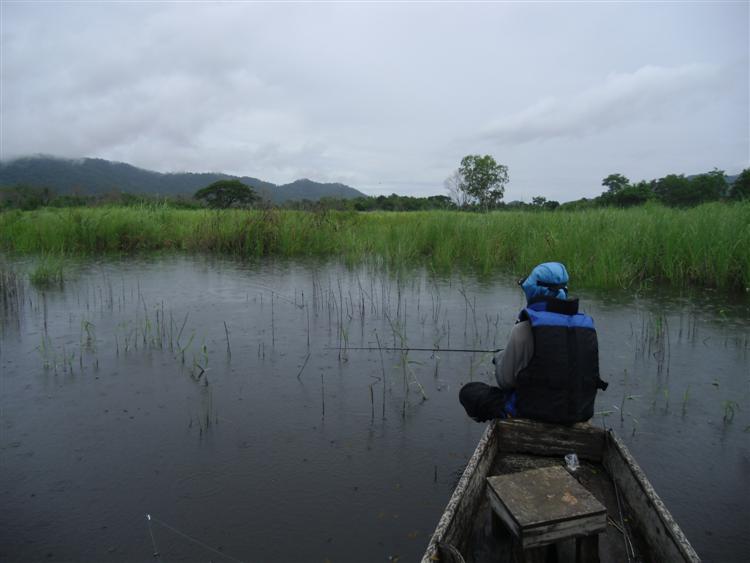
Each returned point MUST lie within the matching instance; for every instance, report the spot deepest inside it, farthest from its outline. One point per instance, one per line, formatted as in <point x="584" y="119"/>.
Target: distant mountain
<point x="307" y="189"/>
<point x="97" y="176"/>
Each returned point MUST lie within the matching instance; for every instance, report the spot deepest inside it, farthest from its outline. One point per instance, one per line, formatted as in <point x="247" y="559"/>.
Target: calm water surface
<point x="213" y="395"/>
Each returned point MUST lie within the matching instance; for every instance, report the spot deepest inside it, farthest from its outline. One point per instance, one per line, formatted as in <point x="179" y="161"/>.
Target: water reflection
<point x="247" y="403"/>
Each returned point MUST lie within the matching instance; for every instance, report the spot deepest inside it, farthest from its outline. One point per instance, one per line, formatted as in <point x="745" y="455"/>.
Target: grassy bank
<point x="706" y="246"/>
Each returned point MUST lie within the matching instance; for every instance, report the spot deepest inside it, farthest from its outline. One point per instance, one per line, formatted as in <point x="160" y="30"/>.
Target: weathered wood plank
<point x="538" y="438"/>
<point x="542" y="506"/>
<point x="664" y="537"/>
<point x="541" y="496"/>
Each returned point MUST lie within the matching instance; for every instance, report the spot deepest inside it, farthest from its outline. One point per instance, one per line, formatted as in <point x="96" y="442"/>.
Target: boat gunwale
<point x="487" y="443"/>
<point x="617" y="448"/>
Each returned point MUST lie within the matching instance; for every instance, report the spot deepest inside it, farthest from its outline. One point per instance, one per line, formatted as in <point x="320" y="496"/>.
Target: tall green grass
<point x="707" y="246"/>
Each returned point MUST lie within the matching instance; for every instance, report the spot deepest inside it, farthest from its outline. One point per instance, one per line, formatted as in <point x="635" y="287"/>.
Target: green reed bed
<point x="705" y="246"/>
<point x="48" y="272"/>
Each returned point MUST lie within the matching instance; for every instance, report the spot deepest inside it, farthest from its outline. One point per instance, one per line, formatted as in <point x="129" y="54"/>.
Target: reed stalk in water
<point x="229" y="348"/>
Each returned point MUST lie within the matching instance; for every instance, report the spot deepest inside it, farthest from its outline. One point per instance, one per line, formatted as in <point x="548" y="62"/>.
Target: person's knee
<point x="472" y="387"/>
<point x="482" y="402"/>
<point x="471" y="392"/>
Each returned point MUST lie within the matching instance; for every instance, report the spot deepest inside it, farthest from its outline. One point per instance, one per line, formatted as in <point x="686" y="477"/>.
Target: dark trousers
<point x="483" y="402"/>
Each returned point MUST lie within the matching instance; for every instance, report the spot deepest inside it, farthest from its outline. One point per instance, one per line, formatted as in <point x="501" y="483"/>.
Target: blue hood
<point x="546" y="280"/>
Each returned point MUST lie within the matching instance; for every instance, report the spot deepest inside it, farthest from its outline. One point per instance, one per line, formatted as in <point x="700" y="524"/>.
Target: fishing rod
<point x="396" y="349"/>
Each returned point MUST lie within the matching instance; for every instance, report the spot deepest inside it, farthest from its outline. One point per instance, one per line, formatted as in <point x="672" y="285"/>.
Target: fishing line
<point x="275" y="293"/>
<point x="153" y="541"/>
<point x="392" y="349"/>
<point x="187" y="537"/>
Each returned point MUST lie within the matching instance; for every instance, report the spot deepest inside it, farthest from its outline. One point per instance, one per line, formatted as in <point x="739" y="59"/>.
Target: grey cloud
<point x="642" y="95"/>
<point x="385" y="96"/>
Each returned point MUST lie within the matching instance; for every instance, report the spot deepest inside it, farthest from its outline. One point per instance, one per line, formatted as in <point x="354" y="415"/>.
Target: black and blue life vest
<point x="560" y="382"/>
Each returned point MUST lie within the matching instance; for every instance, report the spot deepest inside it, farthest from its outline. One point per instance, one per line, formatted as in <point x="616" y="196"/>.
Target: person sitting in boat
<point x="549" y="370"/>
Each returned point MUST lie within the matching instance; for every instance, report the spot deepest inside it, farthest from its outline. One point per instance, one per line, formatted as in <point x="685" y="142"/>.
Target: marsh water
<point x="232" y="403"/>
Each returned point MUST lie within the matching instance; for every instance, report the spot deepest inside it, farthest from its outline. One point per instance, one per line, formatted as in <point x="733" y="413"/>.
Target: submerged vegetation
<point x="706" y="246"/>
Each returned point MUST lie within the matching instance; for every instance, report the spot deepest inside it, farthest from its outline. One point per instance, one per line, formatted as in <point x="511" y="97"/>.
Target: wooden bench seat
<point x="542" y="507"/>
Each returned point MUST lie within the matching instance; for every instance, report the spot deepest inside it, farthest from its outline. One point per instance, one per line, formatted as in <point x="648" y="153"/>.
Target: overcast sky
<point x="384" y="97"/>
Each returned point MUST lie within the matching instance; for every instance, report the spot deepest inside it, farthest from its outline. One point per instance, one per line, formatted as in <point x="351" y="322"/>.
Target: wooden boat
<point x="640" y="528"/>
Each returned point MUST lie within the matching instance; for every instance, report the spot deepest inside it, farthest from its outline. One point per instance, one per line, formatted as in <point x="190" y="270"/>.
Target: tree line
<point x="219" y="195"/>
<point x="27" y="198"/>
<point x="477" y="185"/>
<point x="674" y="190"/>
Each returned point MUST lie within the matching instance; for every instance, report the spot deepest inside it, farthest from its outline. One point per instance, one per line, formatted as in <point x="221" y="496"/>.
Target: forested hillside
<point x="90" y="176"/>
